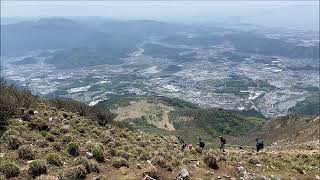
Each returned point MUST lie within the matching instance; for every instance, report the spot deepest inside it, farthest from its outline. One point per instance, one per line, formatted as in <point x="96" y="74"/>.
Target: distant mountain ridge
<point x="43" y="34"/>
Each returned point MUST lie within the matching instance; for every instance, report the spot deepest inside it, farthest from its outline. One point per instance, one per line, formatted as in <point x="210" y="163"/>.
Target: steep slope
<point x="49" y="142"/>
<point x="289" y="130"/>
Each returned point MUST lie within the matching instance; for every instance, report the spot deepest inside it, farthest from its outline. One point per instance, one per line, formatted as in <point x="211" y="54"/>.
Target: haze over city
<point x="289" y="14"/>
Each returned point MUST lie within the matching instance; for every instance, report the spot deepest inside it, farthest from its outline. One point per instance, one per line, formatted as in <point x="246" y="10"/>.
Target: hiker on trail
<point x="201" y="144"/>
<point x="259" y="144"/>
<point x="222" y="143"/>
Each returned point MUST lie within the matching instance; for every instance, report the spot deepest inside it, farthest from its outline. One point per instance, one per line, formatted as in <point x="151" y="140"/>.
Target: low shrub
<point x="46" y="177"/>
<point x="152" y="172"/>
<point x="99" y="114"/>
<point x="54" y="159"/>
<point x="26" y="117"/>
<point x="123" y="154"/>
<point x="75" y="173"/>
<point x="119" y="162"/>
<point x="210" y="160"/>
<point x="66" y="138"/>
<point x="50" y="138"/>
<point x="55" y="131"/>
<point x="89" y="165"/>
<point x="144" y="156"/>
<point x="38" y="124"/>
<point x="56" y="146"/>
<point x="13" y="142"/>
<point x="98" y="154"/>
<point x="12" y="99"/>
<point x="26" y="152"/>
<point x="9" y="169"/>
<point x="105" y="138"/>
<point x="36" y="168"/>
<point x="41" y="143"/>
<point x="92" y="167"/>
<point x="159" y="161"/>
<point x="73" y="149"/>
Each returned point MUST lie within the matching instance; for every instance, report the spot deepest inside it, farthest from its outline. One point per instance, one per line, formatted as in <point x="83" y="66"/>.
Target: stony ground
<point x="51" y="144"/>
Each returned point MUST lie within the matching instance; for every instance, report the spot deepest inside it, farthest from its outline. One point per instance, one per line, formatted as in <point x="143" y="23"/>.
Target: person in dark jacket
<point x="222" y="143"/>
<point x="201" y="144"/>
<point x="259" y="144"/>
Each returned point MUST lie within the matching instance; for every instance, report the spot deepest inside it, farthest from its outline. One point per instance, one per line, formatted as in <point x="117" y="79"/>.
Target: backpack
<point x="223" y="141"/>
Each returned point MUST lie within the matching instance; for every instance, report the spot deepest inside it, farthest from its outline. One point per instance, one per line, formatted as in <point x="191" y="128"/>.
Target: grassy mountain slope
<point x="64" y="140"/>
<point x="288" y="130"/>
<point x="185" y="119"/>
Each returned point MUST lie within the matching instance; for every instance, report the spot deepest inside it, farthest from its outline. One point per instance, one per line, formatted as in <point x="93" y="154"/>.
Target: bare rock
<point x="65" y="115"/>
<point x="31" y="112"/>
<point x="242" y="172"/>
<point x="146" y="177"/>
<point x="253" y="160"/>
<point x="89" y="155"/>
<point x="26" y="117"/>
<point x="183" y="175"/>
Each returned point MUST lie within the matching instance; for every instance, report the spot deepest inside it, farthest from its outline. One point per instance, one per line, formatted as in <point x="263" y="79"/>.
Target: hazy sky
<point x="292" y="14"/>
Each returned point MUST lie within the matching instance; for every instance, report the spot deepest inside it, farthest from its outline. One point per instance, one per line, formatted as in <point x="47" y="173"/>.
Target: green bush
<point x="73" y="149"/>
<point x="123" y="154"/>
<point x="36" y="168"/>
<point x="210" y="160"/>
<point x="67" y="138"/>
<point x="38" y="124"/>
<point x="26" y="152"/>
<point x="54" y="159"/>
<point x="152" y="172"/>
<point x="12" y="99"/>
<point x="119" y="162"/>
<point x="105" y="138"/>
<point x="56" y="146"/>
<point x="75" y="173"/>
<point x="89" y="165"/>
<point x="144" y="156"/>
<point x="99" y="114"/>
<point x="92" y="167"/>
<point x="161" y="161"/>
<point x="13" y="142"/>
<point x="50" y="137"/>
<point x="98" y="154"/>
<point x="41" y="143"/>
<point x="9" y="169"/>
<point x="79" y="160"/>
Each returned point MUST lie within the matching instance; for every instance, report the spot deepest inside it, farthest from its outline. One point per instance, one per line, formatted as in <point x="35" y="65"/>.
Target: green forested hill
<point x="210" y="123"/>
<point x="190" y="122"/>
